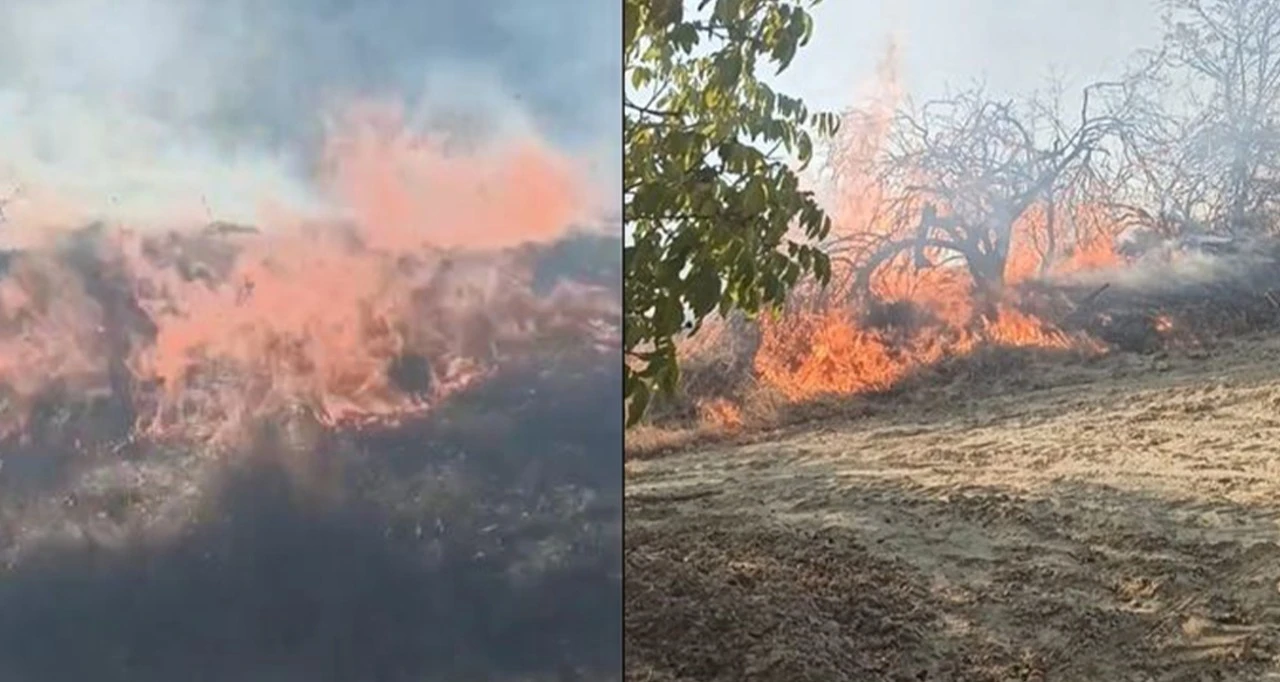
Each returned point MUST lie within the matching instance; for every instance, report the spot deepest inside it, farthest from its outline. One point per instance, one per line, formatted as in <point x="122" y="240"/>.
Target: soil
<point x="1111" y="521"/>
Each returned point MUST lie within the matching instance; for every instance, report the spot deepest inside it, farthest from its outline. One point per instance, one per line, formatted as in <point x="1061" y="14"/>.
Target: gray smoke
<point x="128" y="104"/>
<point x="1250" y="264"/>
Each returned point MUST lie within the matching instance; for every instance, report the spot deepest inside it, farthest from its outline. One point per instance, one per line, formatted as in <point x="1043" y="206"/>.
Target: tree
<point x="716" y="217"/>
<point x="960" y="173"/>
<point x="1223" y="57"/>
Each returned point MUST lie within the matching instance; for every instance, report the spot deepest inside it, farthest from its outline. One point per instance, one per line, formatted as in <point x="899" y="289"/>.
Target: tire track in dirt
<point x="1123" y="528"/>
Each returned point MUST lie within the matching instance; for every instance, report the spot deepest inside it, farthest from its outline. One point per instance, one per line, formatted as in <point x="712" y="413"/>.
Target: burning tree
<point x="960" y="175"/>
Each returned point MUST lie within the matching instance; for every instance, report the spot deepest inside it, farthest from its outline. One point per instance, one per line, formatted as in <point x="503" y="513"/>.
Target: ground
<point x="478" y="543"/>
<point x="1112" y="520"/>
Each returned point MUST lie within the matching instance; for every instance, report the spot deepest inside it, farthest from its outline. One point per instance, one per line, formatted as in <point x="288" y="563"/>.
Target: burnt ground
<point x="479" y="544"/>
<point x="1113" y="520"/>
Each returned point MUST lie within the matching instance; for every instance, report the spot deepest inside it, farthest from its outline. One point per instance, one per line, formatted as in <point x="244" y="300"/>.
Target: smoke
<point x="1184" y="271"/>
<point x="140" y="109"/>
<point x="369" y="141"/>
<point x="385" y="339"/>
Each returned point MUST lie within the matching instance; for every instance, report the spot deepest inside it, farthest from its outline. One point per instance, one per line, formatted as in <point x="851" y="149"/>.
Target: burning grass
<point x="374" y="443"/>
<point x="924" y="290"/>
<point x="921" y="337"/>
<point x="831" y="345"/>
<point x="476" y="542"/>
<point x="434" y="279"/>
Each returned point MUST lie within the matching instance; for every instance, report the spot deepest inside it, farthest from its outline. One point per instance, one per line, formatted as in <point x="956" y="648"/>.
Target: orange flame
<point x="720" y="413"/>
<point x="407" y="191"/>
<point x="428" y="274"/>
<point x="928" y="314"/>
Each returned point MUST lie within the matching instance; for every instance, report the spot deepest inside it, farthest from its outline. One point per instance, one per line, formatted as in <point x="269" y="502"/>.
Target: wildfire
<point x="918" y="318"/>
<point x="720" y="413"/>
<point x="837" y="342"/>
<point x="424" y="286"/>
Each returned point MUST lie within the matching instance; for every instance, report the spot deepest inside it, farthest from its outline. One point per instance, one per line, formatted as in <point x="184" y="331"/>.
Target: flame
<point x="823" y="344"/>
<point x="720" y="413"/>
<point x="421" y="287"/>
<point x="413" y="192"/>
<point x="925" y="315"/>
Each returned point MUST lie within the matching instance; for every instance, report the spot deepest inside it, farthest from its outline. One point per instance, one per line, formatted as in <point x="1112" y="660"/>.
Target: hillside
<point x="1113" y="520"/>
<point x="387" y="523"/>
<point x="477" y="543"/>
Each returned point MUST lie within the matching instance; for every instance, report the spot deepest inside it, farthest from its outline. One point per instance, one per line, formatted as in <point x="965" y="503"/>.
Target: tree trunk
<point x="987" y="271"/>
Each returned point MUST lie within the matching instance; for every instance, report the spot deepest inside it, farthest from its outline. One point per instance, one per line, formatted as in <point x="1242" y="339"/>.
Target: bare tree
<point x="961" y="173"/>
<point x="1213" y="158"/>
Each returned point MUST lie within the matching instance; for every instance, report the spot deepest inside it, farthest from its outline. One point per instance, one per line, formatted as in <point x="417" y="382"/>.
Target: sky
<point x="136" y="101"/>
<point x="1011" y="45"/>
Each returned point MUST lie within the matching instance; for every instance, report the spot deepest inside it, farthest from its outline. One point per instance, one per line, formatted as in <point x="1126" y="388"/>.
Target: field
<point x="1116" y="519"/>
<point x="306" y="493"/>
<point x="478" y="543"/>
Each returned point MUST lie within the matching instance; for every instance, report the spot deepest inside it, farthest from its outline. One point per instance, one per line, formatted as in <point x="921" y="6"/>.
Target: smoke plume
<point x="147" y="108"/>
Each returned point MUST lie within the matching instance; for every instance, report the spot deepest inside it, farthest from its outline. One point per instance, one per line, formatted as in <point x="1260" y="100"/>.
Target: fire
<point x="416" y="193"/>
<point x="918" y="318"/>
<point x="721" y="413"/>
<point x="423" y="286"/>
<point x="838" y="342"/>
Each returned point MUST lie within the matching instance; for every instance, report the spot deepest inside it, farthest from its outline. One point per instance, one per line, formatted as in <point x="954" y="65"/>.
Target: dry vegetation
<point x="1028" y="431"/>
<point x="475" y="540"/>
<point x="477" y="544"/>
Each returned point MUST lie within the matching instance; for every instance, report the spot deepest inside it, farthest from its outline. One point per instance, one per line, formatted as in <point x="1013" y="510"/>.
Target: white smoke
<point x="130" y="108"/>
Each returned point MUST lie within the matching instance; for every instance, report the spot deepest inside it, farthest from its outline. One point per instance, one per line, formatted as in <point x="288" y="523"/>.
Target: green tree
<point x="716" y="216"/>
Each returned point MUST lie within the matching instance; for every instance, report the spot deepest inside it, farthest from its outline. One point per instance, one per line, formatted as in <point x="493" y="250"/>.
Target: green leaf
<point x="728" y="11"/>
<point x="630" y="23"/>
<point x="640" y="77"/>
<point x="684" y="36"/>
<point x="807" y="33"/>
<point x="703" y="290"/>
<point x="783" y="54"/>
<point x="728" y="70"/>
<point x="804" y="149"/>
<point x="755" y="197"/>
<point x="665" y="13"/>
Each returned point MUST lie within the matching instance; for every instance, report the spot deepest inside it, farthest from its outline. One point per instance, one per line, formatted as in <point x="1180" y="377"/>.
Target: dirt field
<point x="1111" y="521"/>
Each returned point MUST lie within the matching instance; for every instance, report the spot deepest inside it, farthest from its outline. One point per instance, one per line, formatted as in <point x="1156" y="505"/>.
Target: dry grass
<point x="721" y="401"/>
<point x="762" y="413"/>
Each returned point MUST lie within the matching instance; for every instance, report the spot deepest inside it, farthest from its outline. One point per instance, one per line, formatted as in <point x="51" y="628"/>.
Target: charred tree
<point x="962" y="173"/>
